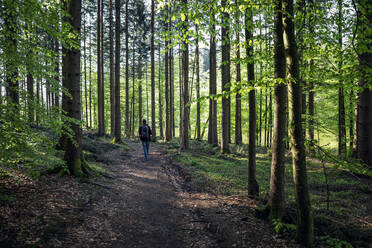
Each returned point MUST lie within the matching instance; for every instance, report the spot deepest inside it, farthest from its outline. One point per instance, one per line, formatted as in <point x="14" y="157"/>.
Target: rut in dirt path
<point x="144" y="199"/>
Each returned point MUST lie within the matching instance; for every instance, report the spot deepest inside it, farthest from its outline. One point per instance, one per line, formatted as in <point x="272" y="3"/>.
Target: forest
<point x="260" y="113"/>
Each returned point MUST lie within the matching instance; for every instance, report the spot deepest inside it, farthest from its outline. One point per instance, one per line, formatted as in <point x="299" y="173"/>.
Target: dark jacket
<point x="140" y="133"/>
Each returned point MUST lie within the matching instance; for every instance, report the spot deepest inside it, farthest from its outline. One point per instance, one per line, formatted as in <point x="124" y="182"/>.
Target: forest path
<point x="144" y="205"/>
<point x="136" y="203"/>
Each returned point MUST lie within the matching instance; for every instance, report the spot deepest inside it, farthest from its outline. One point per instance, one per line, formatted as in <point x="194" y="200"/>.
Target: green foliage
<point x="330" y="242"/>
<point x="281" y="227"/>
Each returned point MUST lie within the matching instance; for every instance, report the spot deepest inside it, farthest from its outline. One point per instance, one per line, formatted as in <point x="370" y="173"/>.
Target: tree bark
<point x="112" y="69"/>
<point x="185" y="78"/>
<point x="160" y="98"/>
<point x="364" y="119"/>
<point x="311" y="88"/>
<point x="305" y="225"/>
<point x="166" y="80"/>
<point x="198" y="131"/>
<point x="212" y="126"/>
<point x="152" y="55"/>
<point x="101" y="120"/>
<point x="71" y="82"/>
<point x="341" y="101"/>
<point x="226" y="78"/>
<point x="276" y="198"/>
<point x="117" y="115"/>
<point x="238" y="104"/>
<point x="253" y="188"/>
<point x="10" y="50"/>
<point x="127" y="126"/>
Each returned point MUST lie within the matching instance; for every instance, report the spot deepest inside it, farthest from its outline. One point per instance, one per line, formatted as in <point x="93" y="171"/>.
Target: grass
<point x="345" y="215"/>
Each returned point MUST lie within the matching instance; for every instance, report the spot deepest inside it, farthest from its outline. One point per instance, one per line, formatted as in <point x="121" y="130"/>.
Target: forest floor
<point x="191" y="199"/>
<point x="134" y="203"/>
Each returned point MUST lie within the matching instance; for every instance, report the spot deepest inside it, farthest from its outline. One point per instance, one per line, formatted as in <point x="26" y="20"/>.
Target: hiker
<point x="144" y="135"/>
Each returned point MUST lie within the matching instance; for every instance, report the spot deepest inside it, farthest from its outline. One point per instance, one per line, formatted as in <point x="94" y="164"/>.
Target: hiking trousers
<point x="146" y="146"/>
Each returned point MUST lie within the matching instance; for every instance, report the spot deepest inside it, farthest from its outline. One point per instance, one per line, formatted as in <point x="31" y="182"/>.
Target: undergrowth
<point x="340" y="203"/>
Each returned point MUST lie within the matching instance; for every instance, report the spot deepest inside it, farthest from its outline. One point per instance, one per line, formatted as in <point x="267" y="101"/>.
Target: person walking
<point x="144" y="132"/>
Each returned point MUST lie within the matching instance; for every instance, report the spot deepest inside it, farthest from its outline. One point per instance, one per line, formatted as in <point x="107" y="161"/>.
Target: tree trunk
<point x="140" y="114"/>
<point x="341" y="101"/>
<point x="10" y="64"/>
<point x="152" y="55"/>
<point x="212" y="126"/>
<point x="225" y="73"/>
<point x="127" y="126"/>
<point x="71" y="82"/>
<point x="112" y="69"/>
<point x="133" y="93"/>
<point x="185" y="78"/>
<point x="117" y="114"/>
<point x="166" y="80"/>
<point x="311" y="89"/>
<point x="198" y="130"/>
<point x="238" y="104"/>
<point x="276" y="199"/>
<point x="160" y="98"/>
<point x="101" y="121"/>
<point x="365" y="96"/>
<point x="351" y="120"/>
<point x="253" y="188"/>
<point x="305" y="225"/>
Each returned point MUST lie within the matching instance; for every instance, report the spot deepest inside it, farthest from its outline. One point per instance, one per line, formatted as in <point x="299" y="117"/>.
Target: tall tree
<point x="212" y="127"/>
<point x="160" y="96"/>
<point x="185" y="78"/>
<point x="101" y="113"/>
<point x="117" y="125"/>
<point x="238" y="101"/>
<point x="311" y="86"/>
<point x="341" y="95"/>
<point x="226" y="77"/>
<point x="127" y="126"/>
<point x="71" y="82"/>
<point x="112" y="69"/>
<point x="11" y="69"/>
<point x="364" y="118"/>
<point x="166" y="78"/>
<point x="197" y="86"/>
<point x="152" y="55"/>
<point x="253" y="188"/>
<point x="305" y="225"/>
<point x="276" y="199"/>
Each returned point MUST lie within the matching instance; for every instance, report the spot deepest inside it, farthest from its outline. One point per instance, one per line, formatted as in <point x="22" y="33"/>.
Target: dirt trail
<point x="137" y="203"/>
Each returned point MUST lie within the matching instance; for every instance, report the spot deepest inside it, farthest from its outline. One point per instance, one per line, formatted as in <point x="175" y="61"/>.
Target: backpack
<point x="145" y="134"/>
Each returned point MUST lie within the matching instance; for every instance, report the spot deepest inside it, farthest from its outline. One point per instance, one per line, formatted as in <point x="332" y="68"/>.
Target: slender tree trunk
<point x="152" y="55"/>
<point x="185" y="78"/>
<point x="341" y="101"/>
<point x="226" y="78"/>
<point x="71" y="82"/>
<point x="112" y="69"/>
<point x="238" y="104"/>
<point x="305" y="226"/>
<point x="85" y="75"/>
<point x="166" y="80"/>
<point x="133" y="93"/>
<point x="364" y="120"/>
<point x="90" y="81"/>
<point x="181" y="91"/>
<point x="276" y="199"/>
<point x="10" y="50"/>
<point x="127" y="126"/>
<point x="198" y="131"/>
<point x="140" y="114"/>
<point x="101" y="121"/>
<point x="160" y="98"/>
<point x="212" y="126"/>
<point x="351" y="120"/>
<point x="171" y="74"/>
<point x="311" y="89"/>
<point x="117" y="114"/>
<point x="253" y="188"/>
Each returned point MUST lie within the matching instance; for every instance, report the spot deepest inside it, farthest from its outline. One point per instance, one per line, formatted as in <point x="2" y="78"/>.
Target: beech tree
<point x="305" y="225"/>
